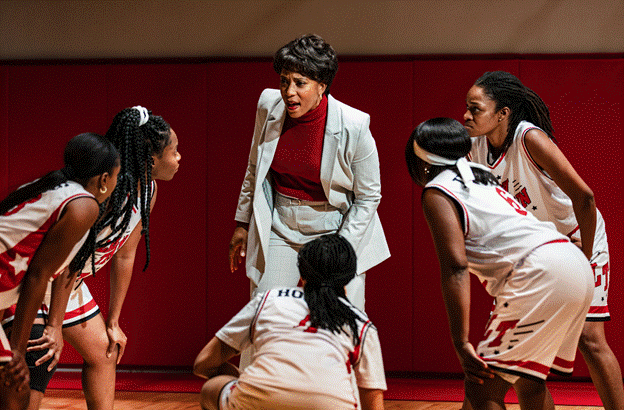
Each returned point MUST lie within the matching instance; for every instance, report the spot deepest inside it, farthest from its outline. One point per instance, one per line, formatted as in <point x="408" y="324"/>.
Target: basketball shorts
<point x="80" y="307"/>
<point x="537" y="319"/>
<point x="599" y="310"/>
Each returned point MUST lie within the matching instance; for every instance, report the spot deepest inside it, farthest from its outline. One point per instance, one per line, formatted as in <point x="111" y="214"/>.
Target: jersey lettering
<point x="505" y="185"/>
<point x="523" y="197"/>
<point x="296" y="293"/>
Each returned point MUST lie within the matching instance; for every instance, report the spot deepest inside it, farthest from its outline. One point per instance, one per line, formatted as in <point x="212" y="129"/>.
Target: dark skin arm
<point x="213" y="360"/>
<point x="448" y="236"/>
<point x="122" y="264"/>
<point x="550" y="158"/>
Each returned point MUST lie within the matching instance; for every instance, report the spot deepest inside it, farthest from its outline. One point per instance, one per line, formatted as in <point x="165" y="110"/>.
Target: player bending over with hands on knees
<point x="309" y="342"/>
<point x="42" y="226"/>
<point x="542" y="283"/>
<point x="513" y="136"/>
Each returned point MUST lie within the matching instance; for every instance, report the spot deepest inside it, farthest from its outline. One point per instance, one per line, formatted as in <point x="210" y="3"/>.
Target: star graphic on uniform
<point x="506" y="304"/>
<point x="498" y="176"/>
<point x="534" y="207"/>
<point x="496" y="352"/>
<point x="602" y="299"/>
<point x="20" y="263"/>
<point x="510" y="347"/>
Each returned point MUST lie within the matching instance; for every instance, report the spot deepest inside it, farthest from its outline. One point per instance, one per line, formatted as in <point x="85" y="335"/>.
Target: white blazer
<point x="349" y="175"/>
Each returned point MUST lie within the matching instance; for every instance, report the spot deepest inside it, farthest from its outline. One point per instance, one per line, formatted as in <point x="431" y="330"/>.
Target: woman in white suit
<point x="313" y="169"/>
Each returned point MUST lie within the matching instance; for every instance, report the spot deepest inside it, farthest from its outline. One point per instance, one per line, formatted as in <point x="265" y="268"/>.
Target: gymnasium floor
<point x="178" y="390"/>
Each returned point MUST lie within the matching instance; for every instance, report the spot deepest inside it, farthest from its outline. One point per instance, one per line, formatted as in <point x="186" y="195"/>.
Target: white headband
<point x="462" y="163"/>
<point x="144" y="114"/>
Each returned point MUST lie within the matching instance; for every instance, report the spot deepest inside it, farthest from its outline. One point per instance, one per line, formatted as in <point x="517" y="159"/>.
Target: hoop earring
<point x="103" y="190"/>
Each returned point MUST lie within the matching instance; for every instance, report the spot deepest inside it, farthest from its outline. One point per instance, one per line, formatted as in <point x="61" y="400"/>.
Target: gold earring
<point x="103" y="190"/>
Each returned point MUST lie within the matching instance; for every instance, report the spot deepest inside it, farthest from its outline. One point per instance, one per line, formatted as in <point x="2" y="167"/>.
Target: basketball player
<point x="308" y="342"/>
<point x="512" y="136"/>
<point x="42" y="226"/>
<point x="541" y="281"/>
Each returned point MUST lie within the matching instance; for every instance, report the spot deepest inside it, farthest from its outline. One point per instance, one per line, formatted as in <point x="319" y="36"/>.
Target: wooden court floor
<point x="74" y="400"/>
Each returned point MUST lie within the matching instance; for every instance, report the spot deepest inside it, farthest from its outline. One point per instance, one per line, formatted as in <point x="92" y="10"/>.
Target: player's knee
<point x="205" y="397"/>
<point x="592" y="341"/>
<point x="527" y="388"/>
<point x="39" y="375"/>
<point x="14" y="400"/>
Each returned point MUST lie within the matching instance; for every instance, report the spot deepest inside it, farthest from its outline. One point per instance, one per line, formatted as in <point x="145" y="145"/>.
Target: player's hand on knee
<point x="52" y="340"/>
<point x="15" y="373"/>
<point x="116" y="339"/>
<point x="475" y="368"/>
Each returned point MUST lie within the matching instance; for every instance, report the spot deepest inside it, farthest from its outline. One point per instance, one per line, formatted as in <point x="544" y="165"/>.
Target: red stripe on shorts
<point x="81" y="310"/>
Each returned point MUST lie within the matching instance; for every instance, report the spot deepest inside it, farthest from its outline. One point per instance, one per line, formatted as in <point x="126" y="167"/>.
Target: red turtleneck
<point x="296" y="165"/>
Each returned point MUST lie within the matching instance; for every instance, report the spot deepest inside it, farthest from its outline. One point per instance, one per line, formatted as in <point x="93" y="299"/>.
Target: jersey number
<point x="507" y="197"/>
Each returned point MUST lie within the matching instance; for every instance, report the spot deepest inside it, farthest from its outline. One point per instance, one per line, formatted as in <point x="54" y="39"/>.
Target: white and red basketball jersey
<point x="498" y="231"/>
<point x="22" y="230"/>
<point x="81" y="306"/>
<point x="293" y="357"/>
<point x="533" y="188"/>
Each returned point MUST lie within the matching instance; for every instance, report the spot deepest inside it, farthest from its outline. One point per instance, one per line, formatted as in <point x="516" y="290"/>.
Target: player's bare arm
<point x="448" y="237"/>
<point x="550" y="158"/>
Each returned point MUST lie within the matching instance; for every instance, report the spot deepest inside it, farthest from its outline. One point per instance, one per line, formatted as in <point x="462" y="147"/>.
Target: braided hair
<point x="506" y="90"/>
<point x="86" y="155"/>
<point x="136" y="144"/>
<point x="327" y="264"/>
<point x="447" y="138"/>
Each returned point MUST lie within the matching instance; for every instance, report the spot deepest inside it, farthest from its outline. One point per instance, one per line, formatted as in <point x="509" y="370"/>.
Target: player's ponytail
<point x="327" y="264"/>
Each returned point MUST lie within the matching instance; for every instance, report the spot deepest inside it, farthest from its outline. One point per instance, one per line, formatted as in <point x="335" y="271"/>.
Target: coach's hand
<point x="116" y="337"/>
<point x="238" y="245"/>
<point x="475" y="368"/>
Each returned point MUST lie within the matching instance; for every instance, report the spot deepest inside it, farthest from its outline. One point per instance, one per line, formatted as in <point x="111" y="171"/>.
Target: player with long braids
<point x="149" y="151"/>
<point x="513" y="136"/>
<point x="42" y="226"/>
<point x="309" y="341"/>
